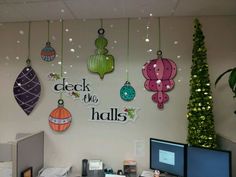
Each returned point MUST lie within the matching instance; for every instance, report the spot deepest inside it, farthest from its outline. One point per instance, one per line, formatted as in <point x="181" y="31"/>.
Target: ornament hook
<point x="48" y="44"/>
<point x="159" y="54"/>
<point x="127" y="83"/>
<point x="60" y="102"/>
<point x="28" y="62"/>
<point x="101" y="31"/>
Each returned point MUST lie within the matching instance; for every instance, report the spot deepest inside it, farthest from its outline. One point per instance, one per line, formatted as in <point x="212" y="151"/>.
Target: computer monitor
<point x="204" y="162"/>
<point x="168" y="157"/>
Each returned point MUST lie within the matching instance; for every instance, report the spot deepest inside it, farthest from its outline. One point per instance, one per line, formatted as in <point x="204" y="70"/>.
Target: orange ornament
<point x="60" y="118"/>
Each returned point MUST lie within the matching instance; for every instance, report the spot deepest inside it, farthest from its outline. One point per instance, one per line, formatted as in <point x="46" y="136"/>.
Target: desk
<point x="166" y="175"/>
<point x="73" y="175"/>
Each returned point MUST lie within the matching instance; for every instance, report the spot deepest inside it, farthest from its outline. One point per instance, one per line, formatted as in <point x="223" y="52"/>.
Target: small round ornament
<point x="48" y="53"/>
<point x="127" y="92"/>
<point x="60" y="118"/>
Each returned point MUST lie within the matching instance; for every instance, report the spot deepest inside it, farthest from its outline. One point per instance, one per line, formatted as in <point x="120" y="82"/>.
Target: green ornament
<point x="101" y="42"/>
<point x="101" y="62"/>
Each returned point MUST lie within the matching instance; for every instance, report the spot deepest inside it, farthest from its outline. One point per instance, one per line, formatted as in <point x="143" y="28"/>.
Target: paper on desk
<point x="54" y="172"/>
<point x="114" y="175"/>
<point x="147" y="173"/>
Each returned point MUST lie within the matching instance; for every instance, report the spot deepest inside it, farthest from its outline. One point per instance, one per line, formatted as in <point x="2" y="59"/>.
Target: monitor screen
<point x="168" y="157"/>
<point x="204" y="162"/>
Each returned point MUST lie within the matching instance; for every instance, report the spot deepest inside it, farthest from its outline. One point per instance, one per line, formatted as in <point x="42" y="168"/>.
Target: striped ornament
<point x="60" y="118"/>
<point x="48" y="53"/>
<point x="27" y="89"/>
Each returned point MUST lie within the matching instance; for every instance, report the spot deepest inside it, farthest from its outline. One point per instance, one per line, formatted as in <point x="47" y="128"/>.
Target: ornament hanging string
<point x="127" y="92"/>
<point x="159" y="33"/>
<point x="159" y="52"/>
<point x="127" y="57"/>
<point x="101" y="21"/>
<point x="48" y="29"/>
<point x="147" y="30"/>
<point x="28" y="59"/>
<point x="62" y="48"/>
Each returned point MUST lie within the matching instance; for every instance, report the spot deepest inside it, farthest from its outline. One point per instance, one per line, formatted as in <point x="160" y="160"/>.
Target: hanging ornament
<point x="27" y="86"/>
<point x="60" y="118"/>
<point x="101" y="62"/>
<point x="159" y="74"/>
<point x="27" y="89"/>
<point x="48" y="53"/>
<point x="127" y="92"/>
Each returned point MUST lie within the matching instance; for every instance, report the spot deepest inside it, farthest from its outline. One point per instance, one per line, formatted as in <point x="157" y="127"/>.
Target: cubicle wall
<point x="30" y="153"/>
<point x="27" y="151"/>
<point x="227" y="144"/>
<point x="5" y="152"/>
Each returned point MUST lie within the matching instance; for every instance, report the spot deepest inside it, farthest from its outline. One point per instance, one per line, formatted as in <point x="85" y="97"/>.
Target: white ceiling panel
<point x="33" y="10"/>
<point x="8" y="13"/>
<point x="25" y="1"/>
<point x="205" y="7"/>
<point x="120" y="8"/>
<point x="96" y="9"/>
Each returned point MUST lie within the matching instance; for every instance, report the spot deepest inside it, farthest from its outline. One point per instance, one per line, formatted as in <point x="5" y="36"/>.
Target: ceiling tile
<point x="25" y="1"/>
<point x="203" y="7"/>
<point x="8" y="13"/>
<point x="120" y="8"/>
<point x="34" y="11"/>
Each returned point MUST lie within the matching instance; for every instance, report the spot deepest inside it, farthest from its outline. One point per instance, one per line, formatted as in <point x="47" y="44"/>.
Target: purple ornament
<point x="48" y="53"/>
<point x="27" y="89"/>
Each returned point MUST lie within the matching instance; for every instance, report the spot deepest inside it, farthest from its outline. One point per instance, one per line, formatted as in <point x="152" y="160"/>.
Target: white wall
<point x="112" y="142"/>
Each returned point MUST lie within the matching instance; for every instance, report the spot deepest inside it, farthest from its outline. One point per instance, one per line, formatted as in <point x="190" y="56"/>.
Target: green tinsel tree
<point x="201" y="129"/>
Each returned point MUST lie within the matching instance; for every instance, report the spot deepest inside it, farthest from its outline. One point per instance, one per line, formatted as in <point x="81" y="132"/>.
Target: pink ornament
<point x="159" y="74"/>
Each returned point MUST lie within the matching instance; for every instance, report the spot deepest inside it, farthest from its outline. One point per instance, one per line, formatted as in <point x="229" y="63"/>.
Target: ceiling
<point x="34" y="10"/>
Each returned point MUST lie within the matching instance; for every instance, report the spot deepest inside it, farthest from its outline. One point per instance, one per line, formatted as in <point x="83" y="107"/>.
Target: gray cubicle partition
<point x="227" y="144"/>
<point x="5" y="152"/>
<point x="30" y="153"/>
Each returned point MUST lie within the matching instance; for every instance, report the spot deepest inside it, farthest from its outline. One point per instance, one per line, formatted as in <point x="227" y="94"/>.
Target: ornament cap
<point x="28" y="62"/>
<point x="101" y="31"/>
<point x="159" y="54"/>
<point x="48" y="44"/>
<point x="60" y="102"/>
<point x="127" y="83"/>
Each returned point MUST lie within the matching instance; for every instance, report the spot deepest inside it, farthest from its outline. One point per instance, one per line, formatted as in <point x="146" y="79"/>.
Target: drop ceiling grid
<point x="121" y="8"/>
<point x="34" y="10"/>
<point x="205" y="8"/>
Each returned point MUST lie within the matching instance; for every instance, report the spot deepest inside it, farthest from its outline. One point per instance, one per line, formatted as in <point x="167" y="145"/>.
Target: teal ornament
<point x="127" y="92"/>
